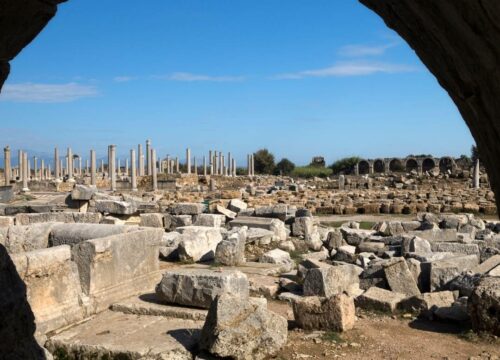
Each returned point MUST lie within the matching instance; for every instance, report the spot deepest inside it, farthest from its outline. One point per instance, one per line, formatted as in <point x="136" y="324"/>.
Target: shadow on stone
<point x="188" y="338"/>
<point x="17" y="322"/>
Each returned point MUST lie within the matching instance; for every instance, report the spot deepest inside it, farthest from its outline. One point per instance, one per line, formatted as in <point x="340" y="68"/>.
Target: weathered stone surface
<point x="334" y="240"/>
<point x="28" y="238"/>
<point x="172" y="222"/>
<point x="213" y="220"/>
<point x="243" y="329"/>
<point x="278" y="211"/>
<point x="53" y="287"/>
<point x="355" y="237"/>
<point x="118" y="266"/>
<point x="455" y="312"/>
<point x="443" y="271"/>
<point x="169" y="244"/>
<point x="198" y="243"/>
<point x="260" y="236"/>
<point x="237" y="205"/>
<point x="199" y="287"/>
<point x="151" y="220"/>
<point x="335" y="313"/>
<point x="83" y="192"/>
<point x="379" y="300"/>
<point x="275" y="225"/>
<point x="458" y="248"/>
<point x="425" y="304"/>
<point x="436" y="235"/>
<point x="71" y="234"/>
<point x="279" y="257"/>
<point x="415" y="245"/>
<point x="115" y="207"/>
<point x="301" y="225"/>
<point x="231" y="250"/>
<point x="484" y="306"/>
<point x="332" y="280"/>
<point x="64" y="217"/>
<point x="187" y="209"/>
<point x="225" y="212"/>
<point x="6" y="221"/>
<point x="17" y="322"/>
<point x="399" y="278"/>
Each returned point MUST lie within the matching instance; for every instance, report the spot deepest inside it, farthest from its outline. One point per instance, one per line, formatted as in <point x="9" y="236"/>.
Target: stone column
<point x="188" y="160"/>
<point x="70" y="164"/>
<point x="229" y="170"/>
<point x="86" y="167"/>
<point x="386" y="166"/>
<point x="371" y="167"/>
<point x="476" y="175"/>
<point x="356" y="169"/>
<point x="420" y="167"/>
<point x="48" y="171"/>
<point x="221" y="163"/>
<point x="93" y="175"/>
<point x="233" y="167"/>
<point x="57" y="169"/>
<point x="79" y="166"/>
<point x="148" y="157"/>
<point x="177" y="165"/>
<point x="102" y="167"/>
<point x="42" y="170"/>
<point x="7" y="167"/>
<point x="195" y="166"/>
<point x="133" y="169"/>
<point x="126" y="167"/>
<point x="153" y="168"/>
<point x="252" y="162"/>
<point x="20" y="164"/>
<point x="25" y="172"/>
<point x="109" y="161"/>
<point x="216" y="164"/>
<point x="341" y="182"/>
<point x="204" y="166"/>
<point x="61" y="167"/>
<point x="249" y="165"/>
<point x="27" y="159"/>
<point x="112" y="166"/>
<point x="140" y="158"/>
<point x="119" y="168"/>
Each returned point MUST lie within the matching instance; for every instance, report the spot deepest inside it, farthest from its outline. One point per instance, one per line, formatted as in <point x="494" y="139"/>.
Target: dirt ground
<point x="377" y="336"/>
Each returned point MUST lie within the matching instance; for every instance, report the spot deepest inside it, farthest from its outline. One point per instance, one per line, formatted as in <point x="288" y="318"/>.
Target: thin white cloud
<point x="350" y="68"/>
<point x="365" y="50"/>
<point x="46" y="93"/>
<point x="189" y="77"/>
<point x="124" y="78"/>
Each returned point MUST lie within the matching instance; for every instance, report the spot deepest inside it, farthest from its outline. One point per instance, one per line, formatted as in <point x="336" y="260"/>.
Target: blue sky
<point x="300" y="78"/>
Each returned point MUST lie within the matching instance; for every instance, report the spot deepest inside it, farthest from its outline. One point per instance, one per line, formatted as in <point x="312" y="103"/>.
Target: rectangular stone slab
<point x="194" y="287"/>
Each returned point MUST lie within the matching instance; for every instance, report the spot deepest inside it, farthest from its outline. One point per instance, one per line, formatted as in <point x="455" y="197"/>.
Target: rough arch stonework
<point x="458" y="42"/>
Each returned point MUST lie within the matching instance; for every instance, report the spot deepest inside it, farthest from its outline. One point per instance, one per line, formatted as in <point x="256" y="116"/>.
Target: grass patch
<point x="296" y="256"/>
<point x="471" y="336"/>
<point x="307" y="172"/>
<point x="332" y="336"/>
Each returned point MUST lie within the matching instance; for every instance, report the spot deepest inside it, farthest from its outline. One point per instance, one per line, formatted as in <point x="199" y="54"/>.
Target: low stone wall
<point x="63" y="217"/>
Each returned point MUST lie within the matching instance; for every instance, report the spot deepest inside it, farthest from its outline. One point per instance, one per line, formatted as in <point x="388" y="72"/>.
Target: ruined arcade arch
<point x="396" y="165"/>
<point x="428" y="164"/>
<point x="411" y="164"/>
<point x="446" y="163"/>
<point x="379" y="166"/>
<point x="363" y="167"/>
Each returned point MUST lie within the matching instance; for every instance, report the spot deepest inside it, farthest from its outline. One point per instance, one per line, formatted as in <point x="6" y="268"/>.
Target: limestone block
<point x="484" y="306"/>
<point x="118" y="266"/>
<point x="28" y="238"/>
<point x="332" y="280"/>
<point x="443" y="271"/>
<point x="275" y="225"/>
<point x="199" y="287"/>
<point x="83" y="192"/>
<point x="53" y="287"/>
<point x="237" y="205"/>
<point x="187" y="209"/>
<point x="151" y="220"/>
<point x="198" y="243"/>
<point x="213" y="220"/>
<point x="115" y="207"/>
<point x="279" y="257"/>
<point x="335" y="313"/>
<point x="399" y="278"/>
<point x="71" y="234"/>
<point x="379" y="299"/>
<point x="242" y="328"/>
<point x="231" y="250"/>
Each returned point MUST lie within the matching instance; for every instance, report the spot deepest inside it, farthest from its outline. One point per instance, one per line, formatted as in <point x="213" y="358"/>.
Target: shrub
<point x="345" y="165"/>
<point x="311" y="171"/>
<point x="284" y="167"/>
<point x="264" y="162"/>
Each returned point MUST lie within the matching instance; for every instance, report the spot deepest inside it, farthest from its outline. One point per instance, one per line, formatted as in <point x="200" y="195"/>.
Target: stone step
<point x="149" y="304"/>
<point x="113" y="334"/>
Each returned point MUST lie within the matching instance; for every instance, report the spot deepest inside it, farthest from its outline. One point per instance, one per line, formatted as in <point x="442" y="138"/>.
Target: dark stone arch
<point x="379" y="166"/>
<point x="411" y="164"/>
<point x="446" y="163"/>
<point x="396" y="165"/>
<point x="364" y="167"/>
<point x="428" y="164"/>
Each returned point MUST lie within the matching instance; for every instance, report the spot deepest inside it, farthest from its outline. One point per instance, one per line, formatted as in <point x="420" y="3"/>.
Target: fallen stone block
<point x="231" y="250"/>
<point x="436" y="235"/>
<point x="187" y="209"/>
<point x="399" y="277"/>
<point x="275" y="225"/>
<point x="213" y="220"/>
<point x="237" y="205"/>
<point x="484" y="306"/>
<point x="71" y="234"/>
<point x="225" y="212"/>
<point x="151" y="220"/>
<point x="260" y="236"/>
<point x="426" y="303"/>
<point x="242" y="328"/>
<point x="355" y="237"/>
<point x="115" y="207"/>
<point x="279" y="257"/>
<point x="335" y="313"/>
<point x="458" y="248"/>
<point x="443" y="271"/>
<point x="199" y="287"/>
<point x="379" y="300"/>
<point x="83" y="192"/>
<point x="329" y="281"/>
<point x="198" y="243"/>
<point x="301" y="225"/>
<point x="279" y="211"/>
<point x="28" y="238"/>
<point x="415" y="245"/>
<point x="169" y="244"/>
<point x="455" y="312"/>
<point x="62" y="217"/>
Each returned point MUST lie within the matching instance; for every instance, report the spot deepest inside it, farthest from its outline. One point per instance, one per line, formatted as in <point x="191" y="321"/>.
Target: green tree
<point x="345" y="165"/>
<point x="284" y="167"/>
<point x="474" y="153"/>
<point x="264" y="162"/>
